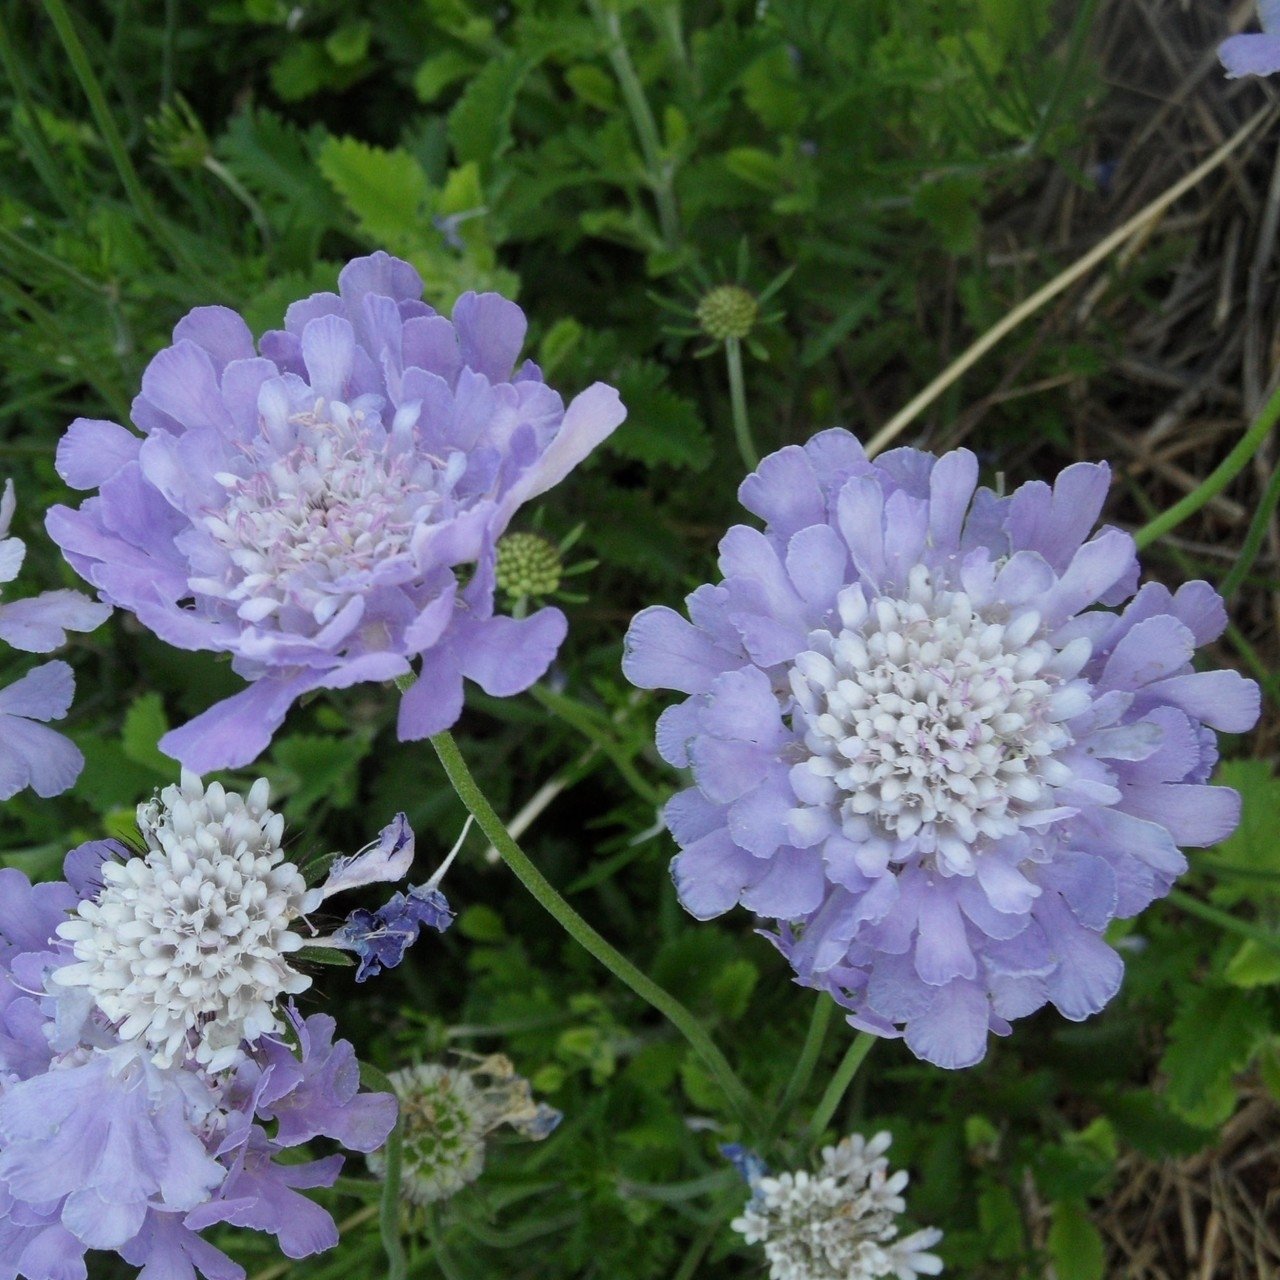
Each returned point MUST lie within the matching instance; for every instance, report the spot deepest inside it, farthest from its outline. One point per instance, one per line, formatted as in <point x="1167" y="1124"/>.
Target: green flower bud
<point x="528" y="565"/>
<point x="727" y="311"/>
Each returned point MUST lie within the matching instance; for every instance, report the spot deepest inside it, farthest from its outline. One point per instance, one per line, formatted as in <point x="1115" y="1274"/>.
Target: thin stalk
<point x="1140" y="222"/>
<point x="738" y="404"/>
<point x="808" y="1059"/>
<point x="697" y="1251"/>
<point x="840" y="1082"/>
<point x="584" y="935"/>
<point x="1253" y="540"/>
<point x="389" y="1209"/>
<point x="1217" y="479"/>
<point x="63" y="24"/>
<point x="661" y="171"/>
<point x="1225" y="920"/>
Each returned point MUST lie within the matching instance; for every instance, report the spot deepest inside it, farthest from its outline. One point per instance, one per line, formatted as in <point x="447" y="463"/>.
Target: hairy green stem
<point x="389" y="1208"/>
<point x="1267" y="938"/>
<point x="661" y="171"/>
<point x="819" y="1024"/>
<point x="840" y="1082"/>
<point x="1253" y="540"/>
<point x="584" y="935"/>
<point x="1217" y="479"/>
<point x="738" y="404"/>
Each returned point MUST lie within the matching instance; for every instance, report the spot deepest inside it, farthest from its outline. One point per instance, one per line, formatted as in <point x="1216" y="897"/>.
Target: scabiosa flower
<point x="447" y="1114"/>
<point x="114" y="1136"/>
<point x="1254" y="53"/>
<point x="920" y="746"/>
<point x="32" y="755"/>
<point x="838" y="1224"/>
<point x="326" y="511"/>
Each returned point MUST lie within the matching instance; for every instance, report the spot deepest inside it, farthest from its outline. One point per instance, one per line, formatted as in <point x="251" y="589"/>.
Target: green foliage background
<point x="603" y="162"/>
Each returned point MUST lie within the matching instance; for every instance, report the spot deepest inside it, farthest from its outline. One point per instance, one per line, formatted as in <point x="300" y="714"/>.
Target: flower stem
<point x="819" y="1024"/>
<point x="389" y="1208"/>
<point x="840" y="1082"/>
<point x="661" y="172"/>
<point x="584" y="935"/>
<point x="1217" y="479"/>
<point x="1224" y="920"/>
<point x="738" y="404"/>
<point x="1258" y="528"/>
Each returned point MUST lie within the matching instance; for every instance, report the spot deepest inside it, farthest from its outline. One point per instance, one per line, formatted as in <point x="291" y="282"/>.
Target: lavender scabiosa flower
<point x="927" y="743"/>
<point x="840" y="1223"/>
<point x="1254" y="53"/>
<point x="31" y="754"/>
<point x="140" y="1064"/>
<point x="326" y="509"/>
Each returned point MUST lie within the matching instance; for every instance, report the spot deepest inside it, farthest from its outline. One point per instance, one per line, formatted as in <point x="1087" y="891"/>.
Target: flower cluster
<point x="143" y="1051"/>
<point x="448" y="1112"/>
<point x="31" y="754"/>
<point x="326" y="508"/>
<point x="838" y="1224"/>
<point x="1254" y="53"/>
<point x="919" y="746"/>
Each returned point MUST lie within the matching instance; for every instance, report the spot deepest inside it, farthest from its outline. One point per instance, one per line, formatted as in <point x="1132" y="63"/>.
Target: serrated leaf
<point x="439" y="71"/>
<point x="1212" y="1037"/>
<point x="145" y="723"/>
<point x="1255" y="843"/>
<point x="322" y="769"/>
<point x="387" y="191"/>
<point x="1253" y="965"/>
<point x="480" y="122"/>
<point x="270" y="157"/>
<point x="662" y="427"/>
<point x="1074" y="1243"/>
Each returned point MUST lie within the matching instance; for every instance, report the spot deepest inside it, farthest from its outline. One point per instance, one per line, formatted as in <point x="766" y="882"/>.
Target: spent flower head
<point x="447" y="1114"/>
<point x="928" y="742"/>
<point x="326" y="507"/>
<point x="840" y="1223"/>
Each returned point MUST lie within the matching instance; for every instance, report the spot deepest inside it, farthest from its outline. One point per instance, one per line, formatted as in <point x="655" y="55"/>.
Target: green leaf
<point x="145" y="724"/>
<point x="349" y="43"/>
<point x="480" y="122"/>
<point x="1074" y="1243"/>
<point x="1212" y="1037"/>
<point x="479" y="923"/>
<point x="387" y="191"/>
<point x="303" y="69"/>
<point x="1253" y="965"/>
<point x="439" y="71"/>
<point x="1001" y="1222"/>
<point x="326" y="955"/>
<point x="1255" y="844"/>
<point x="662" y="427"/>
<point x="733" y="987"/>
<point x="322" y="769"/>
<point x="760" y="168"/>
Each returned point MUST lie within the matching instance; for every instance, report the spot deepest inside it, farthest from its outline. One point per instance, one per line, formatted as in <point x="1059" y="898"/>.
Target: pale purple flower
<point x="1254" y="53"/>
<point x="32" y="755"/>
<point x="116" y="1134"/>
<point x="326" y="508"/>
<point x="926" y="741"/>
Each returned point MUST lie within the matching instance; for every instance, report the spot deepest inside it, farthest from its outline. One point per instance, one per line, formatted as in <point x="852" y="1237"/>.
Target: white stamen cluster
<point x="840" y="1224"/>
<point x="185" y="947"/>
<point x="305" y="527"/>
<point x="927" y="722"/>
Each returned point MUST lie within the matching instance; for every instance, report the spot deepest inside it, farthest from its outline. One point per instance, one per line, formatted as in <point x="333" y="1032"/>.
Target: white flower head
<point x="838" y="1224"/>
<point x="186" y="947"/>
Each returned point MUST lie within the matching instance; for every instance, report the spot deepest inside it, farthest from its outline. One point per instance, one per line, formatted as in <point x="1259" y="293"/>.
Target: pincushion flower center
<point x="929" y="722"/>
<point x="185" y="948"/>
<point x="305" y="528"/>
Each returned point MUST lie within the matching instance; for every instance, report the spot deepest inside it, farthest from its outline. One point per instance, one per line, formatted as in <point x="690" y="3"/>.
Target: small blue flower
<point x="380" y="938"/>
<point x="748" y="1164"/>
